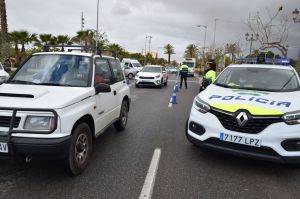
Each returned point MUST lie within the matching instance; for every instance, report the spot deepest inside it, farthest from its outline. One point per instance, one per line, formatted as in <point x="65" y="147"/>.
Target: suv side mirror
<point x="102" y="88"/>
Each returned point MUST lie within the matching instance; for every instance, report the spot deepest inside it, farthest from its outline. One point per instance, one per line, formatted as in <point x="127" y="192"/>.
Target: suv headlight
<point x="292" y="118"/>
<point x="157" y="76"/>
<point x="201" y="106"/>
<point x="40" y="123"/>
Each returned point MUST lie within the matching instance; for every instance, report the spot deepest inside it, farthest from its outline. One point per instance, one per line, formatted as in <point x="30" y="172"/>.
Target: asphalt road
<point x="121" y="160"/>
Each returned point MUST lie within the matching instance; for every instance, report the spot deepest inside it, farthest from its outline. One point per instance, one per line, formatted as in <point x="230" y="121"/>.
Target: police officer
<point x="209" y="75"/>
<point x="183" y="71"/>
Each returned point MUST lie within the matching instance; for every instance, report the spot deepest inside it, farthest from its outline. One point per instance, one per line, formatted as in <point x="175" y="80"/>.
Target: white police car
<point x="251" y="110"/>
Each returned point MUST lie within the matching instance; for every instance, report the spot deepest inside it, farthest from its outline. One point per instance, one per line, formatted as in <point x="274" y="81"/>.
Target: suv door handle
<point x="115" y="92"/>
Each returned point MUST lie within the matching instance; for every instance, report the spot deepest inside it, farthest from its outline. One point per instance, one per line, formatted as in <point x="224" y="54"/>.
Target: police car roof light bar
<point x="262" y="60"/>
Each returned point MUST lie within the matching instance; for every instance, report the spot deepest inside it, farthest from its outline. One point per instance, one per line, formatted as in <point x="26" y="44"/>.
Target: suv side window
<point x="103" y="73"/>
<point x="117" y="70"/>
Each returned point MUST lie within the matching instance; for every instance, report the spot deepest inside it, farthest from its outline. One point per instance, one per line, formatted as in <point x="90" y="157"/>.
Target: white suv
<point x="152" y="75"/>
<point x="57" y="103"/>
<point x="250" y="110"/>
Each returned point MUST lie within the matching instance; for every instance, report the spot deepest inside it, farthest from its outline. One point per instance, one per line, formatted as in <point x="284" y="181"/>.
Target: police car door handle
<point x="115" y="92"/>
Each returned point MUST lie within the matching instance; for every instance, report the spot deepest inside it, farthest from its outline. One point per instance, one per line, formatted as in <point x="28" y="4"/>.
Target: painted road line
<point x="150" y="178"/>
<point x="170" y="103"/>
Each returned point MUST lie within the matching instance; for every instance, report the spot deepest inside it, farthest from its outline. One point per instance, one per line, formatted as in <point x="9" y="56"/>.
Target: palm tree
<point x="191" y="51"/>
<point x="169" y="50"/>
<point x="14" y="37"/>
<point x="43" y="39"/>
<point x="3" y="28"/>
<point x="63" y="40"/>
<point x="82" y="37"/>
<point x="25" y="38"/>
<point x="116" y="48"/>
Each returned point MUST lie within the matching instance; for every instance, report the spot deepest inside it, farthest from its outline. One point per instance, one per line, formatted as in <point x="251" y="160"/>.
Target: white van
<point x="132" y="63"/>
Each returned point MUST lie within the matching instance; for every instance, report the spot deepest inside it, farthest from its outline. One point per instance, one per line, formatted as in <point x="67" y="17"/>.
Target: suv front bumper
<point x="50" y="148"/>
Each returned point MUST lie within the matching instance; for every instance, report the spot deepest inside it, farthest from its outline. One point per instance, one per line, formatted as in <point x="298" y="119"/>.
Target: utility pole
<point x="215" y="29"/>
<point x="145" y="50"/>
<point x="82" y="22"/>
<point x="150" y="37"/>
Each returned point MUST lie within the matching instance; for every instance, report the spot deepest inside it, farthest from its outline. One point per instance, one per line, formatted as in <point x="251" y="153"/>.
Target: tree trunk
<point x="4" y="34"/>
<point x="169" y="58"/>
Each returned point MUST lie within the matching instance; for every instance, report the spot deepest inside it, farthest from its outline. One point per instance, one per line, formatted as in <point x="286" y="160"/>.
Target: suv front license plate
<point x="3" y="147"/>
<point x="240" y="140"/>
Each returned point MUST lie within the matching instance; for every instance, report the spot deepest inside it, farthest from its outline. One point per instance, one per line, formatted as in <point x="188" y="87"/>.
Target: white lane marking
<point x="170" y="103"/>
<point x="150" y="178"/>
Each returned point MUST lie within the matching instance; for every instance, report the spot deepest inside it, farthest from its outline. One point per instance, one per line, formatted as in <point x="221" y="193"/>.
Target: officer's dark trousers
<point x="183" y="77"/>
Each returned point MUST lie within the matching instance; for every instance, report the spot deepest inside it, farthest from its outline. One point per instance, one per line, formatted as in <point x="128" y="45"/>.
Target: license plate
<point x="240" y="140"/>
<point x="3" y="147"/>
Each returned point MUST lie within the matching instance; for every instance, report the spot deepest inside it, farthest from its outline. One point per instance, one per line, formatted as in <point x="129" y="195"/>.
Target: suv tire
<point x="120" y="125"/>
<point x="80" y="150"/>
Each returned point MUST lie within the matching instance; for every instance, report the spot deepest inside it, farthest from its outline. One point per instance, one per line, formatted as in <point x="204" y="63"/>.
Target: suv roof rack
<point x="263" y="60"/>
<point x="81" y="48"/>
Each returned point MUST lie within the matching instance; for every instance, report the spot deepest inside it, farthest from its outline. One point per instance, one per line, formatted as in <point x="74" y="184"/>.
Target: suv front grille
<point x="253" y="126"/>
<point x="141" y="77"/>
<point x="5" y="121"/>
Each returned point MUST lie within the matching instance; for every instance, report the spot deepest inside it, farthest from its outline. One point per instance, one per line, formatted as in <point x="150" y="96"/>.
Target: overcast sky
<point x="128" y="22"/>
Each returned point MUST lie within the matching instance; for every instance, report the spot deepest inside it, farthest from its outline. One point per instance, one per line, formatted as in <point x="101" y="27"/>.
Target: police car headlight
<point x="40" y="123"/>
<point x="292" y="118"/>
<point x="201" y="106"/>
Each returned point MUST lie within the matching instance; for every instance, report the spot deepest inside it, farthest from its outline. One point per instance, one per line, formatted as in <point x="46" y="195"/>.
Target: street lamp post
<point x="203" y="55"/>
<point x="251" y="39"/>
<point x="296" y="16"/>
<point x="204" y="26"/>
<point x="150" y="37"/>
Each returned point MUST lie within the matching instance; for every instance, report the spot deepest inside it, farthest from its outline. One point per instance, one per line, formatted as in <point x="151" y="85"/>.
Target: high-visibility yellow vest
<point x="211" y="74"/>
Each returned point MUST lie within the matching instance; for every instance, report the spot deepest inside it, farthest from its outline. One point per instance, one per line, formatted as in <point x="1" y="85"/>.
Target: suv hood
<point x="147" y="74"/>
<point x="256" y="102"/>
<point x="44" y="97"/>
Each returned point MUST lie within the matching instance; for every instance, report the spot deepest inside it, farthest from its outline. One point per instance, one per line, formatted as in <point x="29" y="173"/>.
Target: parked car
<point x="57" y="103"/>
<point x="152" y="75"/>
<point x="129" y="72"/>
<point x="171" y="70"/>
<point x="251" y="110"/>
<point x="4" y="76"/>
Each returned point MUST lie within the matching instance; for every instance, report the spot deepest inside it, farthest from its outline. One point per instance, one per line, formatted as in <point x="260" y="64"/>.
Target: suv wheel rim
<point x="124" y="116"/>
<point x="81" y="149"/>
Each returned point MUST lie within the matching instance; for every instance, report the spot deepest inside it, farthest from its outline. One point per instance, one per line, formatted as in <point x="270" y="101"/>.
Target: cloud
<point x="127" y="22"/>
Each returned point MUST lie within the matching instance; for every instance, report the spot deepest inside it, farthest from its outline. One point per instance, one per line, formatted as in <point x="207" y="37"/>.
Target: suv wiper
<point x="21" y="82"/>
<point x="54" y="84"/>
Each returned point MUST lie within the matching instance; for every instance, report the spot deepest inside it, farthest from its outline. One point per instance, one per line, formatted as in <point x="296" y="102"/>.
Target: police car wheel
<point x="80" y="150"/>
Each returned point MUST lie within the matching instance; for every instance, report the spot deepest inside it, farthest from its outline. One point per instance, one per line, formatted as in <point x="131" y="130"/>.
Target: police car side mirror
<point x="102" y="88"/>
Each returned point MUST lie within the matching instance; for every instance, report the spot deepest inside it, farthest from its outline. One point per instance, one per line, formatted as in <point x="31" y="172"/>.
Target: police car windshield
<point x="151" y="69"/>
<point x="265" y="79"/>
<point x="55" y="70"/>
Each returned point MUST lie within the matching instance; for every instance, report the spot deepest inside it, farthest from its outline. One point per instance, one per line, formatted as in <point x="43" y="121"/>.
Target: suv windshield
<point x="265" y="79"/>
<point x="56" y="70"/>
<point x="136" y="65"/>
<point x="150" y="69"/>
